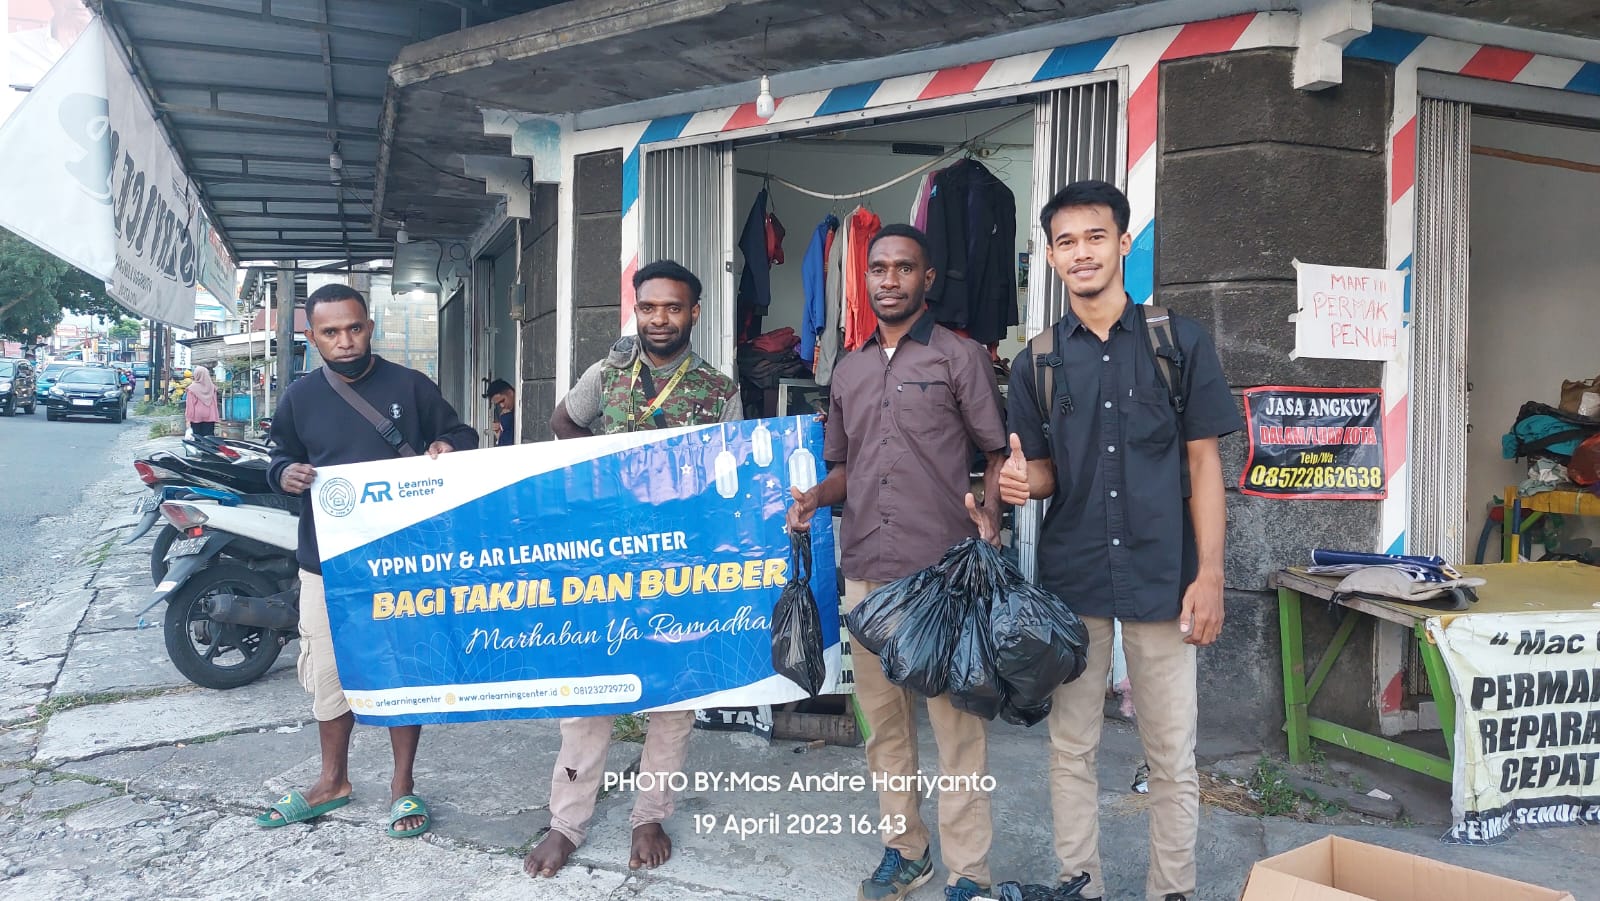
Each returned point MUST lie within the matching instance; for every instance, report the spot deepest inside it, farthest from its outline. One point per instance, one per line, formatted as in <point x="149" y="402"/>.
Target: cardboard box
<point x="1338" y="869"/>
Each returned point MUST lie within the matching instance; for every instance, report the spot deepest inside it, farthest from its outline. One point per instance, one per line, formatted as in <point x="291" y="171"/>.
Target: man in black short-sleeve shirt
<point x="1121" y="540"/>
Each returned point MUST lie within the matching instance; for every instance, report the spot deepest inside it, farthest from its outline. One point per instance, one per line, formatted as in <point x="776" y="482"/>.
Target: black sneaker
<point x="964" y="890"/>
<point x="1175" y="896"/>
<point x="1072" y="889"/>
<point x="896" y="877"/>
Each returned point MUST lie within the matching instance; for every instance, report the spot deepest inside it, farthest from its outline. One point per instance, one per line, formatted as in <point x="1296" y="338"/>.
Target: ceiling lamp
<point x="401" y="236"/>
<point x="765" y="105"/>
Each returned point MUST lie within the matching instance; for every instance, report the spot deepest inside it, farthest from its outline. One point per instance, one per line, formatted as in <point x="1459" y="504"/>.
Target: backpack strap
<point x="1169" y="366"/>
<point x="1164" y="345"/>
<point x="1048" y="375"/>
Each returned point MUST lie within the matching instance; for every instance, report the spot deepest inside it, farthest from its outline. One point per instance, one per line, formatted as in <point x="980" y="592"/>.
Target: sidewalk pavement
<point x="118" y="779"/>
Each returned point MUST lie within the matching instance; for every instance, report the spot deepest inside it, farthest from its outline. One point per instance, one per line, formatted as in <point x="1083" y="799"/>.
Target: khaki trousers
<point x="966" y="826"/>
<point x="1162" y="669"/>
<point x="315" y="665"/>
<point x="582" y="761"/>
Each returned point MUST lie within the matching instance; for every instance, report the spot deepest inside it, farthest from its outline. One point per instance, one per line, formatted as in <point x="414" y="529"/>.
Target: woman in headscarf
<point x="200" y="404"/>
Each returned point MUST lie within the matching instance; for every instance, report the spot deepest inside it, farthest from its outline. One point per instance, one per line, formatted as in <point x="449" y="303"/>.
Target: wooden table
<point x="1510" y="588"/>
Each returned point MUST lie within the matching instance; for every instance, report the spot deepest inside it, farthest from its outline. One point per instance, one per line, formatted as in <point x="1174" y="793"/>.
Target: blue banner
<point x="606" y="575"/>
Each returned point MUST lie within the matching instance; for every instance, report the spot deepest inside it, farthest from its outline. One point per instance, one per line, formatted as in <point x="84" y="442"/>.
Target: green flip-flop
<point x="293" y="808"/>
<point x="408" y="806"/>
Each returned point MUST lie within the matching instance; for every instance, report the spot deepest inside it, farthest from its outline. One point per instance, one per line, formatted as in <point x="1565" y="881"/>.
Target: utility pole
<point x="285" y="359"/>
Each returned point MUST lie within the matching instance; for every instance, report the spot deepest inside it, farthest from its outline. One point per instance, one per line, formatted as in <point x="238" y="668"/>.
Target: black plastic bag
<point x="972" y="627"/>
<point x="1039" y="643"/>
<point x="875" y="621"/>
<point x="911" y="625"/>
<point x="974" y="683"/>
<point x="1024" y="716"/>
<point x="797" y="652"/>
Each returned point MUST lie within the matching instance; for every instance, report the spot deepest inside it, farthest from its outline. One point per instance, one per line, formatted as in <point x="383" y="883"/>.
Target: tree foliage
<point x="126" y="330"/>
<point x="35" y="288"/>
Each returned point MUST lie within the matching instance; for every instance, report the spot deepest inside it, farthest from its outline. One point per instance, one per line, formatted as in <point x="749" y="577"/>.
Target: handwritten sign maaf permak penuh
<point x="1346" y="313"/>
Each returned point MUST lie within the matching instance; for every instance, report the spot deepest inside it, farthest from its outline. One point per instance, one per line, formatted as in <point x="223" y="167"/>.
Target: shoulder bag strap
<point x="385" y="426"/>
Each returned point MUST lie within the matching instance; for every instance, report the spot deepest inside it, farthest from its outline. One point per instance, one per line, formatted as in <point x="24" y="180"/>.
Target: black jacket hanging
<point x="972" y="227"/>
<point x="755" y="281"/>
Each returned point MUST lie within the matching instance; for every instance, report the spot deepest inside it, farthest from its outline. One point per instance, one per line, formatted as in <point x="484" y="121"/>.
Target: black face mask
<point x="353" y="368"/>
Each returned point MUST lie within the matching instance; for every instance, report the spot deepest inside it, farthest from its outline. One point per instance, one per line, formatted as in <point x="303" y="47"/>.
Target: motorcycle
<point x="173" y="478"/>
<point x="232" y="589"/>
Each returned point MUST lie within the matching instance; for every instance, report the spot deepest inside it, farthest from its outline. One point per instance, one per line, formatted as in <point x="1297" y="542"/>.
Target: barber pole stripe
<point x="1141" y="54"/>
<point x="1409" y="53"/>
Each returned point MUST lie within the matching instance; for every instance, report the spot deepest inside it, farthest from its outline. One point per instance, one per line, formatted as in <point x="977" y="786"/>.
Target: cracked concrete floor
<point x="120" y="780"/>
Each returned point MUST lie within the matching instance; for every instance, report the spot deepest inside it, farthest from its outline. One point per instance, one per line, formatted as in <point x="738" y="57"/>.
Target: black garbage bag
<point x="1039" y="643"/>
<point x="1016" y="891"/>
<point x="877" y="619"/>
<point x="974" y="684"/>
<point x="797" y="652"/>
<point x="911" y="624"/>
<point x="1024" y="716"/>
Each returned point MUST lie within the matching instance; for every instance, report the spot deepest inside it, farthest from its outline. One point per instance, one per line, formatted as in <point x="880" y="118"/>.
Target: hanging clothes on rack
<point x="755" y="279"/>
<point x="972" y="228"/>
<point x="814" y="278"/>
<point x="830" y="343"/>
<point x="919" y="207"/>
<point x="859" y="320"/>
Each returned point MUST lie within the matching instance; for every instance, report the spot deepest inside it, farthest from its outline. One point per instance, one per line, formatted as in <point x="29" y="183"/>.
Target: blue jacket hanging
<point x="814" y="277"/>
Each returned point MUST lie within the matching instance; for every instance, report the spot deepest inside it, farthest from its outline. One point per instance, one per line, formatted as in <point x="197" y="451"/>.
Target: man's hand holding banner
<point x="605" y="575"/>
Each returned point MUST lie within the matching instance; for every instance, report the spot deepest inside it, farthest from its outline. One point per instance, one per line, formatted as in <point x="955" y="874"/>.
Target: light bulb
<point x="335" y="161"/>
<point x="765" y="105"/>
<point x="727" y="469"/>
<point x="761" y="444"/>
<point x="802" y="469"/>
<point x="401" y="236"/>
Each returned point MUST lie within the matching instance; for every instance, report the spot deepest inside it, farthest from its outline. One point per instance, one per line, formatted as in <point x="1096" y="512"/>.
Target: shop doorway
<point x="697" y="198"/>
<point x="1531" y="295"/>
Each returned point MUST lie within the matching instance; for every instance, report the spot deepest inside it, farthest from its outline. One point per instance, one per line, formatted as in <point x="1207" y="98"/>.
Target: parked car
<point x="46" y="375"/>
<point x="141" y="370"/>
<point x="16" y="387"/>
<point x="87" y="391"/>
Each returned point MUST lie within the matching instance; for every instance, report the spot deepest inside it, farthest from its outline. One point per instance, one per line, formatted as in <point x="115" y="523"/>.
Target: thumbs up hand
<point x="1014" y="488"/>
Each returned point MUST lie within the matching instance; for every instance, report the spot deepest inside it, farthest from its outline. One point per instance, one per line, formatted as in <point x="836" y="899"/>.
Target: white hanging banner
<point x="1347" y="313"/>
<point x="86" y="174"/>
<point x="55" y="161"/>
<point x="155" y="211"/>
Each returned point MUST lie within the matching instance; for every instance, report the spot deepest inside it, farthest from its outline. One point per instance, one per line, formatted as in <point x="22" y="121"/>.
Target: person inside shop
<point x="318" y="423"/>
<point x="907" y="409"/>
<point x="503" y="398"/>
<point x="651" y="380"/>
<point x="200" y="407"/>
<point x="1128" y="454"/>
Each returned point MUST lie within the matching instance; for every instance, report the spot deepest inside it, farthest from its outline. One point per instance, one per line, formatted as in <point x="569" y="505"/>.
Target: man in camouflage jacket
<point x="649" y="381"/>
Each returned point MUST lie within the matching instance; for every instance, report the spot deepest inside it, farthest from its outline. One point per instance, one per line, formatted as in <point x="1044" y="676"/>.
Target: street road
<point x="44" y="469"/>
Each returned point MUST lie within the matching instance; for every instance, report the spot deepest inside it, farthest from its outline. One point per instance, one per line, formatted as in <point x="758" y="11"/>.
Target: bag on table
<point x="797" y="652"/>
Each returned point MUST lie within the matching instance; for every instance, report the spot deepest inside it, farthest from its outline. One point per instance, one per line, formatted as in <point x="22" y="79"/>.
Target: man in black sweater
<point x="313" y="426"/>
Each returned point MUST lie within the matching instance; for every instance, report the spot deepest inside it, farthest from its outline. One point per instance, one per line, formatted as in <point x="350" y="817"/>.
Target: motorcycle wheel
<point x="158" y="553"/>
<point x="212" y="654"/>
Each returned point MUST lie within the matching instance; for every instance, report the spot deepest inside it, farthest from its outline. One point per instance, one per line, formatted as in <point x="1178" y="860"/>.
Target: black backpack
<point x="1157" y="324"/>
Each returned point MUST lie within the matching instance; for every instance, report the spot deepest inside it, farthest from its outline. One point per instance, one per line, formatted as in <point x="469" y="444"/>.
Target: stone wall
<point x="1253" y="174"/>
<point x="539" y="264"/>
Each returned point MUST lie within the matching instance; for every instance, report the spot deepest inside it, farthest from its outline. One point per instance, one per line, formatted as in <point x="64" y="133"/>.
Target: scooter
<point x="232" y="590"/>
<point x="170" y="478"/>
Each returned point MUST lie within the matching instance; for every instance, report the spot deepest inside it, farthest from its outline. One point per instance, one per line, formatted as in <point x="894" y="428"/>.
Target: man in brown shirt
<point x="907" y="409"/>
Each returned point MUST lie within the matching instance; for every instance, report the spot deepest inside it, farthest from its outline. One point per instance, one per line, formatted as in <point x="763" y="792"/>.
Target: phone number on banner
<point x="1315" y="477"/>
